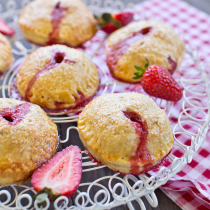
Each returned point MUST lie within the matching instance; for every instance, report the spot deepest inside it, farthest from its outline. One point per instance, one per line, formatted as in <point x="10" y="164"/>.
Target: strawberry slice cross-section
<point x="61" y="175"/>
<point x="5" y="28"/>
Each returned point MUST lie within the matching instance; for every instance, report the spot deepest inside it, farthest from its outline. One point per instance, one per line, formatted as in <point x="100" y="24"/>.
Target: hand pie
<point x="127" y="132"/>
<point x="52" y="22"/>
<point x="6" y="57"/>
<point x="58" y="77"/>
<point x="130" y="45"/>
<point x="28" y="138"/>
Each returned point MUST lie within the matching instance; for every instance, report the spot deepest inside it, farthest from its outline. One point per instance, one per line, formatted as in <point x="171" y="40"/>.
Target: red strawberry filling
<point x="142" y="154"/>
<point x="173" y="65"/>
<point x="57" y="15"/>
<point x="116" y="51"/>
<point x="58" y="58"/>
<point x="80" y="102"/>
<point x="15" y="114"/>
<point x="92" y="158"/>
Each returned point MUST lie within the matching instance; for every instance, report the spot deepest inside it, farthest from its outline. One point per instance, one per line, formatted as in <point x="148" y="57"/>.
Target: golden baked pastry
<point x="133" y="43"/>
<point x="6" y="57"/>
<point x="28" y="138"/>
<point x="60" y="21"/>
<point x="127" y="132"/>
<point x="58" y="77"/>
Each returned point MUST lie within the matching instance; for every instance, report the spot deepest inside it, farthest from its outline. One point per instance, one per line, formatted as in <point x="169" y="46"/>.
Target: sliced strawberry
<point x="5" y="29"/>
<point x="61" y="175"/>
<point x="109" y="23"/>
<point x="158" y="82"/>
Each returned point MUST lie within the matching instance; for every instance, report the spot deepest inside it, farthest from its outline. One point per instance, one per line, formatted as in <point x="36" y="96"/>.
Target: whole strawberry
<point x="111" y="22"/>
<point x="158" y="82"/>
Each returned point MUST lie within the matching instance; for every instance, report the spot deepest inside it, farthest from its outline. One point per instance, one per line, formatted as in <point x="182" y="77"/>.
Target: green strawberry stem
<point x="140" y="71"/>
<point x="44" y="193"/>
<point x="107" y="18"/>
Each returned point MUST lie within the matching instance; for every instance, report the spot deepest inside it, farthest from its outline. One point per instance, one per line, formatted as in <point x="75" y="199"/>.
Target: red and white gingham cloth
<point x="186" y="199"/>
<point x="190" y="188"/>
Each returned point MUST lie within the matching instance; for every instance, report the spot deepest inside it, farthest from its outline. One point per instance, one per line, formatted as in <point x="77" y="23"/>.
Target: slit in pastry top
<point x="59" y="57"/>
<point x="116" y="51"/>
<point x="14" y="115"/>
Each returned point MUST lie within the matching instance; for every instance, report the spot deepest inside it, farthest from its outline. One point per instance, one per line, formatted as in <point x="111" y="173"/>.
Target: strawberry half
<point x="158" y="82"/>
<point x="109" y="23"/>
<point x="5" y="29"/>
<point x="61" y="175"/>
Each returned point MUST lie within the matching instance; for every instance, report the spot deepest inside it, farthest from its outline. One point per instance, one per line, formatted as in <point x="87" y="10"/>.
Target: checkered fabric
<point x="190" y="188"/>
<point x="186" y="199"/>
<point x="182" y="16"/>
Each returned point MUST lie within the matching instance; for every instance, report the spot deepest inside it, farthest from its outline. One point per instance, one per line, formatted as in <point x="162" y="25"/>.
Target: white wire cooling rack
<point x="194" y="110"/>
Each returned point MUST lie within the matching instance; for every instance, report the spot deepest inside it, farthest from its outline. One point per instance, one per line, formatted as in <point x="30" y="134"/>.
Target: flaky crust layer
<point x="111" y="138"/>
<point x="6" y="57"/>
<point x="63" y="83"/>
<point x="27" y="145"/>
<point x="159" y="46"/>
<point x="76" y="26"/>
